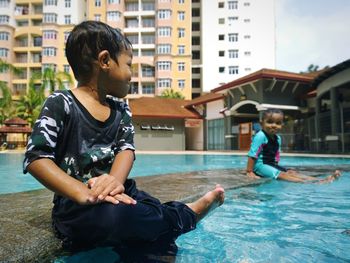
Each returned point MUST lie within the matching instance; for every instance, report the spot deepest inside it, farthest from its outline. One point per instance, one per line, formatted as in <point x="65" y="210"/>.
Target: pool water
<point x="274" y="222"/>
<point x="13" y="180"/>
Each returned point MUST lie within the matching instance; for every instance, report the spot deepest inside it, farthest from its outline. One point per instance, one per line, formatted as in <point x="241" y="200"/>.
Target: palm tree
<point x="29" y="104"/>
<point x="52" y="80"/>
<point x="6" y="104"/>
<point x="171" y="94"/>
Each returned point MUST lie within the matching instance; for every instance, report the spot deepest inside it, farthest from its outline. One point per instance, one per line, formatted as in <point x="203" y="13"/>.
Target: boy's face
<point x="118" y="83"/>
<point x="272" y="123"/>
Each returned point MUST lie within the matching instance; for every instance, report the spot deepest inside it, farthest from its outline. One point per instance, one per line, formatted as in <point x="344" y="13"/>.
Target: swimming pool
<point x="273" y="222"/>
<point x="13" y="180"/>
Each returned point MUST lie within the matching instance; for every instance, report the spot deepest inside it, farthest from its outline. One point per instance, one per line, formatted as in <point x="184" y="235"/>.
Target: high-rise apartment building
<point x="236" y="38"/>
<point x="190" y="46"/>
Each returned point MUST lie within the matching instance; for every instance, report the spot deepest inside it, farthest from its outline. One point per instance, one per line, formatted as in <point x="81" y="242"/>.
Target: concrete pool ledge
<point x="25" y="218"/>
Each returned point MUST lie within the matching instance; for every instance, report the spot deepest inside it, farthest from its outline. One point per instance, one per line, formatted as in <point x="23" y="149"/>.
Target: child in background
<point x="264" y="153"/>
<point x="82" y="149"/>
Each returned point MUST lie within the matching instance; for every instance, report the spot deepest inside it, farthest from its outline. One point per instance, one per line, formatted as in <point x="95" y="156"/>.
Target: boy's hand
<point x="108" y="188"/>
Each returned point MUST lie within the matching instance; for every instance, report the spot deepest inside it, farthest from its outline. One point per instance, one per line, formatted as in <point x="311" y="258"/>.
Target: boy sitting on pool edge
<point x="264" y="153"/>
<point x="82" y="148"/>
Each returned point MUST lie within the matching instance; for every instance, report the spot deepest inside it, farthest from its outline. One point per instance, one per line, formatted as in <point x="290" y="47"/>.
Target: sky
<point x="311" y="32"/>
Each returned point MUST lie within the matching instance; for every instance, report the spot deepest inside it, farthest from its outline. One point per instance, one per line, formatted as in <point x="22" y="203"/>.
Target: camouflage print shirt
<point x="80" y="145"/>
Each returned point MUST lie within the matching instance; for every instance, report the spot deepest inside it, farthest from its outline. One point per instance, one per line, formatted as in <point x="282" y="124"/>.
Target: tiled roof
<point x="161" y="108"/>
<point x="15" y="129"/>
<point x="204" y="99"/>
<point x="15" y="121"/>
<point x="269" y="74"/>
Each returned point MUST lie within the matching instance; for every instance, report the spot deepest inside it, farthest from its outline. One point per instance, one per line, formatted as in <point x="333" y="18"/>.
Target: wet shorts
<point x="269" y="171"/>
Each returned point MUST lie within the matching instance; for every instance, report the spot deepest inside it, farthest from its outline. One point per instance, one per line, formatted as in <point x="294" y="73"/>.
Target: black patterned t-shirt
<point x="80" y="145"/>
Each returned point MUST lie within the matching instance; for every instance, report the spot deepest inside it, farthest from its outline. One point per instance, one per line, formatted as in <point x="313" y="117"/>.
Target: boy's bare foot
<point x="208" y="202"/>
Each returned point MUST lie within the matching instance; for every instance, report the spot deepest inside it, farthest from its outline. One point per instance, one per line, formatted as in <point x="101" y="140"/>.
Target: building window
<point x="67" y="3"/>
<point x="148" y="6"/>
<point x="181" y="32"/>
<point x="147" y="52"/>
<point x="50" y="18"/>
<point x="247" y="53"/>
<point x="49" y="51"/>
<point x="221" y="4"/>
<point x="97" y="2"/>
<point x="196" y="26"/>
<point x="50" y="2"/>
<point x="164" y="31"/>
<point x="164" y="49"/>
<point x="181" y="83"/>
<point x="221" y="21"/>
<point x="196" y="54"/>
<point x="67" y="20"/>
<point x="247" y="20"/>
<point x="134" y="39"/>
<point x="4" y="19"/>
<point x="113" y="16"/>
<point x="148" y="39"/>
<point x="221" y="69"/>
<point x="66" y="35"/>
<point x="232" y="20"/>
<point x="181" y="49"/>
<point x="97" y="17"/>
<point x="247" y="37"/>
<point x="50" y="34"/>
<point x="181" y="1"/>
<point x="248" y="69"/>
<point x="147" y="71"/>
<point x="66" y="68"/>
<point x="181" y="15"/>
<point x="196" y="12"/>
<point x="233" y="37"/>
<point x="246" y="4"/>
<point x="148" y="89"/>
<point x="164" y="65"/>
<point x="132" y="6"/>
<point x="113" y="2"/>
<point x="148" y="22"/>
<point x="4" y="36"/>
<point x="4" y="52"/>
<point x="233" y="70"/>
<point x="164" y="83"/>
<point x="196" y="41"/>
<point x="221" y="37"/>
<point x="181" y="66"/>
<point x="196" y="70"/>
<point x="232" y="4"/>
<point x="4" y="3"/>
<point x="233" y="53"/>
<point x="164" y="14"/>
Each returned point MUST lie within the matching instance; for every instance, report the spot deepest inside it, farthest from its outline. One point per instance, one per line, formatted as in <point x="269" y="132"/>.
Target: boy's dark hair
<point x="269" y="112"/>
<point x="87" y="40"/>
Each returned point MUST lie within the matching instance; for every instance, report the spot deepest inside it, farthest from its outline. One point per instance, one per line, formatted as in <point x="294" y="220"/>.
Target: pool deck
<point x="25" y="220"/>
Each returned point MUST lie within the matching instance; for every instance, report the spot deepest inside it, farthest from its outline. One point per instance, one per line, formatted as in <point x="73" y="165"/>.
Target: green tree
<point x="313" y="68"/>
<point x="171" y="94"/>
<point x="6" y="103"/>
<point x="52" y="80"/>
<point x="29" y="105"/>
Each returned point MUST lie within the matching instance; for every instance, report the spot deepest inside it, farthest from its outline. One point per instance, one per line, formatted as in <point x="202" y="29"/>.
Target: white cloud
<point x="318" y="37"/>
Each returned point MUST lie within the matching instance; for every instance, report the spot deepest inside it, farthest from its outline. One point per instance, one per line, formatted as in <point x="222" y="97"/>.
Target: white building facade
<point x="237" y="38"/>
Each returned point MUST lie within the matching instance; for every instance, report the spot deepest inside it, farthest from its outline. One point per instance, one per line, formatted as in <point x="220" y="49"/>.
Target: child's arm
<point x="250" y="168"/>
<point x="51" y="176"/>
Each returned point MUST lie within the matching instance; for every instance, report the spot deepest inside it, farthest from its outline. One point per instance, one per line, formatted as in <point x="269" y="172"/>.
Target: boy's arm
<point x="51" y="176"/>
